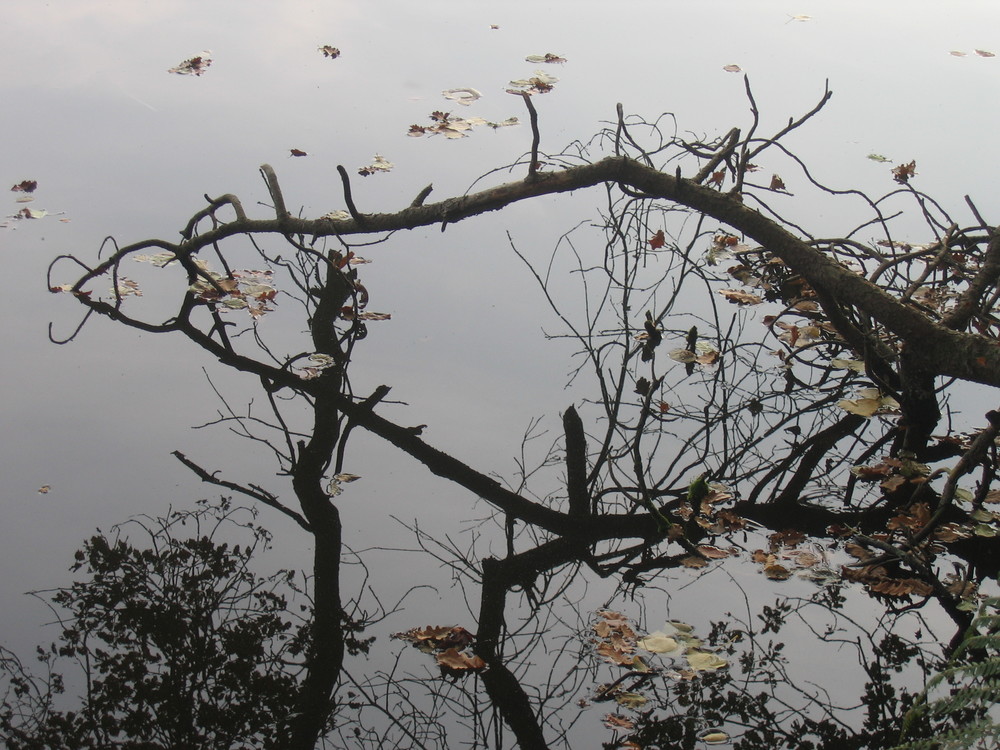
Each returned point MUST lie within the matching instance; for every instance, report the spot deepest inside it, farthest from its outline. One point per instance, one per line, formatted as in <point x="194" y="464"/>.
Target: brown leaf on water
<point x="984" y="53"/>
<point x="456" y="660"/>
<point x="25" y="186"/>
<point x="711" y="552"/>
<point x="903" y="172"/>
<point x="548" y="57"/>
<point x="900" y="587"/>
<point x="776" y="572"/>
<point x="777" y="183"/>
<point x="786" y="538"/>
<point x="951" y="532"/>
<point x="298" y="152"/>
<point x="732" y="68"/>
<point x="332" y="52"/>
<point x="805" y="559"/>
<point x="693" y="561"/>
<point x="740" y="298"/>
<point x="614" y="721"/>
<point x="913" y="518"/>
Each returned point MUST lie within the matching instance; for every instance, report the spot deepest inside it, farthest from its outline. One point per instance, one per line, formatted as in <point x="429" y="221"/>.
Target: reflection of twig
<point x="348" y="198"/>
<point x="535" y="137"/>
<point x="605" y="693"/>
<point x="253" y="491"/>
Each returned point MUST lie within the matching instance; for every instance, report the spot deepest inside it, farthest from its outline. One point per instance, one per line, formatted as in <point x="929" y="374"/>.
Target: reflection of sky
<point x="124" y="148"/>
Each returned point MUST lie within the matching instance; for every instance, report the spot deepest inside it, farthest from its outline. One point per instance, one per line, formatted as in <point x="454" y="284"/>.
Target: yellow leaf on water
<point x="705" y="661"/>
<point x="658" y="643"/>
<point x="865" y="407"/>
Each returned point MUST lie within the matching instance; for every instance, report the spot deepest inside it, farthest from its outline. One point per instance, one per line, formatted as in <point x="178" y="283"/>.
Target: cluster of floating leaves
<point x="444" y="123"/>
<point x="379" y="164"/>
<point x="450" y="645"/>
<point x="980" y="52"/>
<point x="674" y="652"/>
<point x="869" y="401"/>
<point x="539" y="83"/>
<point x="336" y="484"/>
<point x="250" y="290"/>
<point x="25" y="190"/>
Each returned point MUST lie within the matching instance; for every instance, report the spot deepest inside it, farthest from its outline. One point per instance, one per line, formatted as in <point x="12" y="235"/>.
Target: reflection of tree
<point x="177" y="641"/>
<point x="661" y="465"/>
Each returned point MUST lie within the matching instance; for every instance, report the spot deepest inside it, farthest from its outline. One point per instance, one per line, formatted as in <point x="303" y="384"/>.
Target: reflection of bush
<point x="973" y="672"/>
<point x="178" y="642"/>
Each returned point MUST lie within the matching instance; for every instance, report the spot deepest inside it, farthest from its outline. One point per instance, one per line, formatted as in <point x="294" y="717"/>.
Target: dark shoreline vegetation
<point x="813" y="442"/>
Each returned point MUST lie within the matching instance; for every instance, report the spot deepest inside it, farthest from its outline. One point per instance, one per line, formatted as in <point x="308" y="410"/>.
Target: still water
<point x="120" y="147"/>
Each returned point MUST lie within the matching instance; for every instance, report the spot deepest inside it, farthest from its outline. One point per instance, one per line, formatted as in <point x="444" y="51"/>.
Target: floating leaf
<point x="984" y="53"/>
<point x="127" y="288"/>
<point x="732" y="68"/>
<point x="704" y="661"/>
<point x="548" y="57"/>
<point x="658" y="240"/>
<point x="614" y="721"/>
<point x="682" y="355"/>
<point x="869" y="403"/>
<point x="658" y="643"/>
<point x="964" y="495"/>
<point x="904" y="172"/>
<point x="25" y="186"/>
<point x="631" y="700"/>
<point x="379" y="164"/>
<point x="44" y="489"/>
<point x="848" y="364"/>
<point x="864" y="407"/>
<point x="454" y="659"/>
<point x="712" y="552"/>
<point x="332" y="52"/>
<point x="193" y="66"/>
<point x="777" y="183"/>
<point x="800" y="17"/>
<point x="740" y="298"/>
<point x="298" y="152"/>
<point x="776" y="572"/>
<point x="159" y="259"/>
<point x="879" y="158"/>
<point x="956" y="53"/>
<point x="455" y="127"/>
<point x="540" y="83"/>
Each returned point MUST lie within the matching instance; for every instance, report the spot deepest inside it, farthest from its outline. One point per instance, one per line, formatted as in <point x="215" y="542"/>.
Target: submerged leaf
<point x="464" y="96"/>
